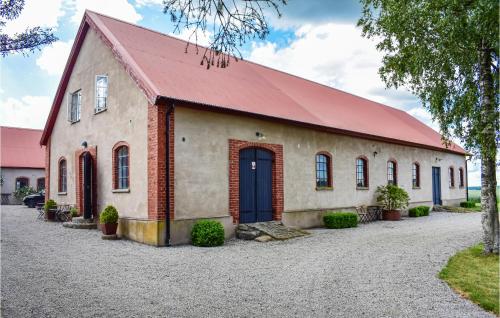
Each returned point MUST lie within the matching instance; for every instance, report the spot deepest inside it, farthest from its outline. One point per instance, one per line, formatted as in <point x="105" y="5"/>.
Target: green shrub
<point x="392" y="197"/>
<point x="418" y="211"/>
<point x="74" y="212"/>
<point x="340" y="220"/>
<point x="50" y="204"/>
<point x="109" y="215"/>
<point x="468" y="204"/>
<point x="22" y="192"/>
<point x="207" y="233"/>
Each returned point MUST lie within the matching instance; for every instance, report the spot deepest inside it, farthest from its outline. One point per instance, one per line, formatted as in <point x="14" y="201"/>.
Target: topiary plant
<point x="109" y="215"/>
<point x="74" y="212"/>
<point x="207" y="233"/>
<point x="392" y="197"/>
<point x="340" y="220"/>
<point x="50" y="204"/>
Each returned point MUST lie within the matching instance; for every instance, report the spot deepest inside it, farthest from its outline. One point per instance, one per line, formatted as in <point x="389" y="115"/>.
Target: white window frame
<point x="70" y="106"/>
<point x="96" y="97"/>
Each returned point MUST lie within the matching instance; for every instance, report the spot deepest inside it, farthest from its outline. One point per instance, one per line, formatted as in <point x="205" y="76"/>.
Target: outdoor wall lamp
<point x="375" y="154"/>
<point x="260" y="135"/>
<point x="84" y="145"/>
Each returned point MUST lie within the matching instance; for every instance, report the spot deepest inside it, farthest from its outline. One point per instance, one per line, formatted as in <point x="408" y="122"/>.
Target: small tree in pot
<point x="50" y="209"/>
<point x="109" y="220"/>
<point x="393" y="198"/>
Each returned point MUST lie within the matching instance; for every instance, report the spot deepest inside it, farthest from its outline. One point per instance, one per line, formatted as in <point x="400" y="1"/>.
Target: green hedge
<point x="340" y="220"/>
<point x="468" y="204"/>
<point x="50" y="204"/>
<point x="207" y="233"/>
<point x="417" y="211"/>
<point x="109" y="215"/>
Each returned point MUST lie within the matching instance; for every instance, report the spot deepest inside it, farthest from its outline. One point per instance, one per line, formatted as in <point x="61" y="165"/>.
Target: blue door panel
<point x="436" y="185"/>
<point x="264" y="186"/>
<point x="247" y="190"/>
<point x="255" y="185"/>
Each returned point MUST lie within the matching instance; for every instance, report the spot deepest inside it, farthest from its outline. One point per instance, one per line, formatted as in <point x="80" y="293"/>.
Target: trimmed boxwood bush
<point x="468" y="204"/>
<point x="340" y="220"/>
<point x="207" y="233"/>
<point x="109" y="215"/>
<point x="419" y="211"/>
<point x="50" y="204"/>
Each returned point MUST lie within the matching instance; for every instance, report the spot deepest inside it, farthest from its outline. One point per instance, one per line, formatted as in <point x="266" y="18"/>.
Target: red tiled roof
<point x="20" y="148"/>
<point x="162" y="69"/>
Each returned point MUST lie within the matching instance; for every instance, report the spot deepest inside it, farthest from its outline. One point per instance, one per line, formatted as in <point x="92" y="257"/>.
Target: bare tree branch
<point x="233" y="22"/>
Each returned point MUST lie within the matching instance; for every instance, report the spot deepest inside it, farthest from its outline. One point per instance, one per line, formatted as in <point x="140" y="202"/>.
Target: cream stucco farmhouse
<point x="138" y="123"/>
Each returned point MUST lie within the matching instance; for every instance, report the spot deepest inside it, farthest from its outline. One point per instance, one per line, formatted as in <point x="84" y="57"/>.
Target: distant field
<point x="476" y="193"/>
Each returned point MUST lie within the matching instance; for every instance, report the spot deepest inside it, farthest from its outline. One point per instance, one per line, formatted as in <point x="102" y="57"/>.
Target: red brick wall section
<point x="114" y="164"/>
<point x="79" y="179"/>
<point x="234" y="171"/>
<point x="47" y="171"/>
<point x="157" y="200"/>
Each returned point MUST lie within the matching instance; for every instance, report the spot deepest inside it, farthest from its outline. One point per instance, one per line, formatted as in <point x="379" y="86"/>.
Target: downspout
<point x="167" y="179"/>
<point x="466" y="181"/>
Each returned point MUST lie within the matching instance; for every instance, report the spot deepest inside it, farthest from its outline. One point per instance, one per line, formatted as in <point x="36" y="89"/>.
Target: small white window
<point x="101" y="93"/>
<point x="74" y="106"/>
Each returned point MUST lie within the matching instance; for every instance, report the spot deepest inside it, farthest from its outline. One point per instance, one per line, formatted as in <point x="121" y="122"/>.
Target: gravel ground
<point x="382" y="269"/>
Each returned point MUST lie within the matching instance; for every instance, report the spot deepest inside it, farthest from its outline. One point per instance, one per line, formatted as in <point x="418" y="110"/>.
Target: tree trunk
<point x="489" y="115"/>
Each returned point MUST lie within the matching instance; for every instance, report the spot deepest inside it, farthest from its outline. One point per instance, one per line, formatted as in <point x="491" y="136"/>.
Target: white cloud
<point x="36" y="13"/>
<point x="142" y="3"/>
<point x="28" y="112"/>
<point x="335" y="55"/>
<point x="120" y="9"/>
<point x="53" y="58"/>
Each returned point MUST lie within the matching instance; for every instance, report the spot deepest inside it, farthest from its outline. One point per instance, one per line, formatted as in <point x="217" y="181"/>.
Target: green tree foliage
<point x="447" y="53"/>
<point x="25" y="42"/>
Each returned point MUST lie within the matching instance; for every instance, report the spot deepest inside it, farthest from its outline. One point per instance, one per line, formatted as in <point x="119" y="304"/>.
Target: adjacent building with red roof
<point x="22" y="161"/>
<point x="138" y="123"/>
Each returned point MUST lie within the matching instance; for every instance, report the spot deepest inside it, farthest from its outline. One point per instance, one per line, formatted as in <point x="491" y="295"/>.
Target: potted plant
<point x="50" y="209"/>
<point x="393" y="199"/>
<point x="73" y="212"/>
<point x="109" y="220"/>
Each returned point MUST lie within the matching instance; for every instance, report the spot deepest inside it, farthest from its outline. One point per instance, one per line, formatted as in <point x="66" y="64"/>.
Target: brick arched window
<point x="362" y="172"/>
<point x="323" y="170"/>
<point x="121" y="166"/>
<point x="451" y="174"/>
<point x="392" y="172"/>
<point x="22" y="182"/>
<point x="461" y="177"/>
<point x="63" y="176"/>
<point x="415" y="175"/>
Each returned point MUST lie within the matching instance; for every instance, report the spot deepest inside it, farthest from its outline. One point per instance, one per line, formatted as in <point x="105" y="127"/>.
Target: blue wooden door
<point x="436" y="185"/>
<point x="255" y="185"/>
<point x="87" y="186"/>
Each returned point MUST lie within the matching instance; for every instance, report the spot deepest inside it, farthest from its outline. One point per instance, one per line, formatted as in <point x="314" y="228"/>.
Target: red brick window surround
<point x="362" y="180"/>
<point x="121" y="166"/>
<point x="323" y="170"/>
<point x="451" y="174"/>
<point x="234" y="183"/>
<point x="63" y="175"/>
<point x="392" y="172"/>
<point x="415" y="175"/>
<point x="461" y="177"/>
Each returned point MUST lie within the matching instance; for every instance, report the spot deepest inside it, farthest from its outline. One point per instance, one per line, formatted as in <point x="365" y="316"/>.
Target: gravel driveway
<point x="381" y="269"/>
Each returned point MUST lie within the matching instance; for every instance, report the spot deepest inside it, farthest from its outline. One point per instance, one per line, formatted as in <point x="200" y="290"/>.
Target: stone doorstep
<point x="274" y="229"/>
<point x="81" y="223"/>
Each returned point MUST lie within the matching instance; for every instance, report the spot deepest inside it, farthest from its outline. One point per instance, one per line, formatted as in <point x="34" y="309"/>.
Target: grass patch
<point x="474" y="276"/>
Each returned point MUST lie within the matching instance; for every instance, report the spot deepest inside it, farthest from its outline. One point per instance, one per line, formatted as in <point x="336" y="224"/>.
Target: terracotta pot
<point x="109" y="229"/>
<point x="391" y="215"/>
<point x="50" y="214"/>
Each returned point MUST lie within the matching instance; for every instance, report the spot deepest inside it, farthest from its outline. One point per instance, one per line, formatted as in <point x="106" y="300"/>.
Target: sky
<point x="314" y="39"/>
